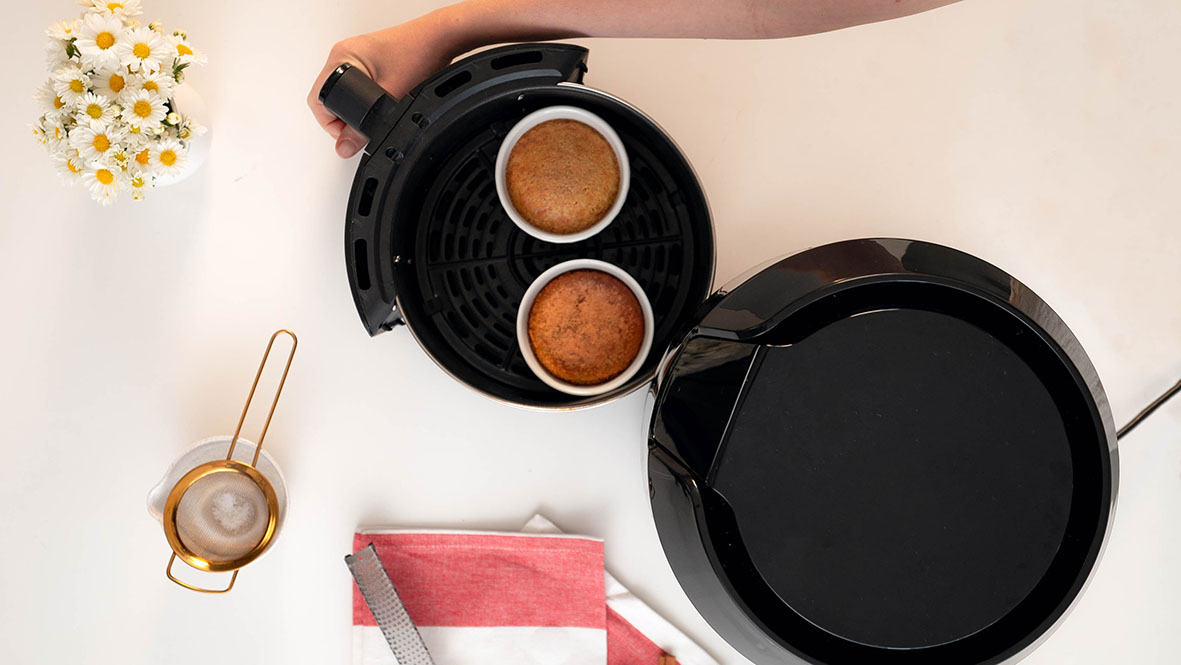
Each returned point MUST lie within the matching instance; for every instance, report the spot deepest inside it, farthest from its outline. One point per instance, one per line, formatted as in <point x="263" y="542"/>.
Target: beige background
<point x="1041" y="135"/>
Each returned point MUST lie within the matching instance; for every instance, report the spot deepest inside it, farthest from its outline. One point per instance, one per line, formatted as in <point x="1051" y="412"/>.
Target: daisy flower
<point x="51" y="104"/>
<point x="57" y="53"/>
<point x="159" y="82"/>
<point x="52" y="135"/>
<point x="118" y="158"/>
<point x="97" y="38"/>
<point x="39" y="132"/>
<point x="92" y="143"/>
<point x="64" y="30"/>
<point x="144" y="110"/>
<point x="104" y="183"/>
<point x="70" y="166"/>
<point x="167" y="157"/>
<point x="137" y="184"/>
<point x="44" y="95"/>
<point x="143" y="50"/>
<point x="185" y="53"/>
<point x="135" y="138"/>
<point x="122" y="8"/>
<point x="188" y="128"/>
<point x="70" y="83"/>
<point x="141" y="158"/>
<point x="95" y="110"/>
<point x="110" y="83"/>
<point x="57" y="137"/>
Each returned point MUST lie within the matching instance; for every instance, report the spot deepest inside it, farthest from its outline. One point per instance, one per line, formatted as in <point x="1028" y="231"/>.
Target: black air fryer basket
<point x="428" y="244"/>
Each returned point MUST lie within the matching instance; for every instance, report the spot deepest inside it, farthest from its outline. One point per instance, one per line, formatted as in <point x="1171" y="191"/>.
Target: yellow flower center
<point x="141" y="50"/>
<point x="70" y="165"/>
<point x="104" y="40"/>
<point x="76" y="85"/>
<point x="167" y="157"/>
<point x="58" y="103"/>
<point x="142" y="108"/>
<point x="104" y="176"/>
<point x="142" y="157"/>
<point x="115" y="83"/>
<point x="181" y="49"/>
<point x="101" y="142"/>
<point x="57" y="133"/>
<point x="95" y="111"/>
<point x="112" y="6"/>
<point x="137" y="182"/>
<point x="151" y="85"/>
<point x="134" y="130"/>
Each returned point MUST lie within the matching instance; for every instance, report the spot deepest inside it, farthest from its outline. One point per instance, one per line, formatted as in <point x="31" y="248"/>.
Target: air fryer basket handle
<point x="356" y="99"/>
<point x="395" y="129"/>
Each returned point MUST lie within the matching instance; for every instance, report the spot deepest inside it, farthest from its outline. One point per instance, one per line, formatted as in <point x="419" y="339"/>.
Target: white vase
<point x="187" y="101"/>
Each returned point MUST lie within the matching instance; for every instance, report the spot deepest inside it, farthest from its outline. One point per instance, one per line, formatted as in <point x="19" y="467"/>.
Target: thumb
<point x="350" y="142"/>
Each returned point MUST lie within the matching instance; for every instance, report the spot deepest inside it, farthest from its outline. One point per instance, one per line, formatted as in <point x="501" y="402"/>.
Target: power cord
<point x="1156" y="404"/>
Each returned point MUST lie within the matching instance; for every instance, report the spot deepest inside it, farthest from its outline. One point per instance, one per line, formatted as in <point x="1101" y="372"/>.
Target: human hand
<point x="397" y="58"/>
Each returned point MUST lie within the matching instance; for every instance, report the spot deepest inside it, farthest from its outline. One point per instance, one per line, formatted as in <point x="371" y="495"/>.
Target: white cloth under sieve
<point x="222" y="516"/>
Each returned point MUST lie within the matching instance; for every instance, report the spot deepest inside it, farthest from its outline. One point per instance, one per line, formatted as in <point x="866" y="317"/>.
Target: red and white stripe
<point x="491" y="599"/>
<point x="513" y="598"/>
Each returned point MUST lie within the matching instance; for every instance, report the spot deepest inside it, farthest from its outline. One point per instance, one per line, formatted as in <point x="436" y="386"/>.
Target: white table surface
<point x="1042" y="136"/>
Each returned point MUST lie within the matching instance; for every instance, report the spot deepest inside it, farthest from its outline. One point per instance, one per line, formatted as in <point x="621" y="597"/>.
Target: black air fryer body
<point x="881" y="451"/>
<point x="875" y="452"/>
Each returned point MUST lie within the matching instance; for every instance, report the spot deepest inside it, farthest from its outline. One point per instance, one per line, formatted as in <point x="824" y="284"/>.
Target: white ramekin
<point x="527" y="306"/>
<point x="559" y="113"/>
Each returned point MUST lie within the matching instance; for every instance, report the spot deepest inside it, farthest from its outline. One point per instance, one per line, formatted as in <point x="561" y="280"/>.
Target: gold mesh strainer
<point x="221" y="515"/>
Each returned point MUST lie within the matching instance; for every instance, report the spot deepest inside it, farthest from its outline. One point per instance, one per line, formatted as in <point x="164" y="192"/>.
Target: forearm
<point x="476" y="23"/>
<point x="400" y="56"/>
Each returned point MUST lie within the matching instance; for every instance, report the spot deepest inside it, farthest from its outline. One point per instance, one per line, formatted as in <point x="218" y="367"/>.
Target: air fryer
<point x="877" y="451"/>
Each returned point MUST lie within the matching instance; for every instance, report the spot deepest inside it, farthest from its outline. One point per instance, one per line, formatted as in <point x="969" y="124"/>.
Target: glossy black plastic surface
<point x="429" y="244"/>
<point x="356" y="99"/>
<point x="896" y="454"/>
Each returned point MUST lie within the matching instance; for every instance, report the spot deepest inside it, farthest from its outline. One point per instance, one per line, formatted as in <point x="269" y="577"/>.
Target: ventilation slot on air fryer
<point x="365" y="204"/>
<point x="516" y="59"/>
<point x="361" y="263"/>
<point x="451" y="84"/>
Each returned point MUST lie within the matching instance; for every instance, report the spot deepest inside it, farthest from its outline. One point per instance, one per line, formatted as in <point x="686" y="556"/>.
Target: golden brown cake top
<point x="586" y="327"/>
<point x="562" y="176"/>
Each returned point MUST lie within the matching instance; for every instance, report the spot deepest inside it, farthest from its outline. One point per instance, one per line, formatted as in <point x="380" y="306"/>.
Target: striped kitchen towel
<point x="539" y="597"/>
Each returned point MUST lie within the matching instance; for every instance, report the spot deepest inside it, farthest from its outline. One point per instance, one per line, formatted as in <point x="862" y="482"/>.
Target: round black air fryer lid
<point x="881" y="451"/>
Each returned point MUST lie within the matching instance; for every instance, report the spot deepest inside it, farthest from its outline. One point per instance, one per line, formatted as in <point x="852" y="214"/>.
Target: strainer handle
<point x="168" y="571"/>
<point x="250" y="397"/>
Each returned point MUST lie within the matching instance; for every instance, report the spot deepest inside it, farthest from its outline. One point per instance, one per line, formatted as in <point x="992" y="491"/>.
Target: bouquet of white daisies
<point x="108" y="117"/>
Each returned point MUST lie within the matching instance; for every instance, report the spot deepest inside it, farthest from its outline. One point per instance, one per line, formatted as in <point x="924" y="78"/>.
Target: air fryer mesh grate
<point x="473" y="264"/>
